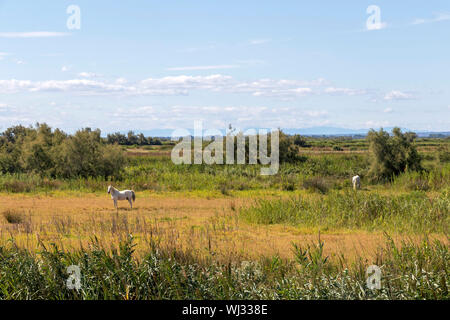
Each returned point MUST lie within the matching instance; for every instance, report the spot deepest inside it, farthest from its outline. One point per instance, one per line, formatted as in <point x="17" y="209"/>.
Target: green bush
<point x="50" y="153"/>
<point x="392" y="155"/>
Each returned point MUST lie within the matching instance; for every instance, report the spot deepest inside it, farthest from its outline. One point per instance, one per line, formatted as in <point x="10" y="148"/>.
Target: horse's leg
<point x="131" y="203"/>
<point x="115" y="203"/>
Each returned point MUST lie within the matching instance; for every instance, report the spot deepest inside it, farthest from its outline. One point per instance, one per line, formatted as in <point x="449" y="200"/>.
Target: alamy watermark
<point x="236" y="152"/>
<point x="74" y="280"/>
<point x="373" y="274"/>
<point x="374" y="20"/>
<point x="74" y="20"/>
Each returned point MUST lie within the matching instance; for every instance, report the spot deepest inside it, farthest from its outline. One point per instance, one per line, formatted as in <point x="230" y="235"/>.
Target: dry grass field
<point x="210" y="226"/>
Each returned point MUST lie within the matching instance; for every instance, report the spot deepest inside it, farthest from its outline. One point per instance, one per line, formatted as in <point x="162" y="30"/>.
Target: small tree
<point x="289" y="148"/>
<point x="300" y="141"/>
<point x="392" y="155"/>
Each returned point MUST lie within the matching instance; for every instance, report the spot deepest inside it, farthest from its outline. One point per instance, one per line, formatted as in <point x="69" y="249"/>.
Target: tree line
<point x="54" y="153"/>
<point x="131" y="139"/>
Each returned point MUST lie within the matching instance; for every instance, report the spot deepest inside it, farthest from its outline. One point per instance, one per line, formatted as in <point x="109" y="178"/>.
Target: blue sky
<point x="146" y="65"/>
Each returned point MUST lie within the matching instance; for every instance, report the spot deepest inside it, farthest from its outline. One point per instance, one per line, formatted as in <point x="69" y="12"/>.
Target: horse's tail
<point x="133" y="195"/>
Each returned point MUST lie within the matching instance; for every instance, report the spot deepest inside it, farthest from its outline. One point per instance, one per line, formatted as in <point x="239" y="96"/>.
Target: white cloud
<point x="89" y="75"/>
<point x="190" y="68"/>
<point x="299" y="92"/>
<point x="213" y="82"/>
<point x="65" y="68"/>
<point x="387" y="110"/>
<point x="398" y="95"/>
<point x="345" y="91"/>
<point x="213" y="116"/>
<point x="284" y="89"/>
<point x="276" y="88"/>
<point x="377" y="26"/>
<point x="121" y="80"/>
<point x="437" y="17"/>
<point x="13" y="86"/>
<point x="34" y="34"/>
<point x="3" y="55"/>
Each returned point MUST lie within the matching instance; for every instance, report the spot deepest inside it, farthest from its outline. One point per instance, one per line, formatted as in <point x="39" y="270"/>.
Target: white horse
<point x="122" y="195"/>
<point x="356" y="180"/>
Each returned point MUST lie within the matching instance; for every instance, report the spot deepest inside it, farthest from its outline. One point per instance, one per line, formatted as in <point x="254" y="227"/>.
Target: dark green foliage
<point x="50" y="153"/>
<point x="300" y="141"/>
<point x="132" y="139"/>
<point x="392" y="155"/>
<point x="289" y="148"/>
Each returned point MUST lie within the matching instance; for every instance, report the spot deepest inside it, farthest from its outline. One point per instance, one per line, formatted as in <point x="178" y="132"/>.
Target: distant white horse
<point x="356" y="180"/>
<point x="122" y="195"/>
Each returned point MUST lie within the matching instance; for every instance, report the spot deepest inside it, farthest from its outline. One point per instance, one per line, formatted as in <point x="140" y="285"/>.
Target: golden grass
<point x="210" y="226"/>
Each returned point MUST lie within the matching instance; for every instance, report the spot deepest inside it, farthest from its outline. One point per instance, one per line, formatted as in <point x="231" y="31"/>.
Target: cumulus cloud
<point x="283" y="92"/>
<point x="89" y="75"/>
<point x="387" y="110"/>
<point x="398" y="95"/>
<point x="214" y="81"/>
<point x="284" y="89"/>
<point x="241" y="116"/>
<point x="345" y="91"/>
<point x="121" y="80"/>
<point x="277" y="88"/>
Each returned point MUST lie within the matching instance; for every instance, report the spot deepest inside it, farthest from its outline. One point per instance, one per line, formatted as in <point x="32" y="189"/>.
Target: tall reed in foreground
<point x="409" y="271"/>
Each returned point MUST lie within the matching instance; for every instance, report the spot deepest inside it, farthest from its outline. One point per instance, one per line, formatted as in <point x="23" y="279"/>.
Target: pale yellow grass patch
<point x="209" y="227"/>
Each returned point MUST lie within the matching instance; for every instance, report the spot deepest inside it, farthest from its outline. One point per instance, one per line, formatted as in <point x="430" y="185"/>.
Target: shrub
<point x="392" y="155"/>
<point x="289" y="148"/>
<point x="50" y="153"/>
<point x="16" y="186"/>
